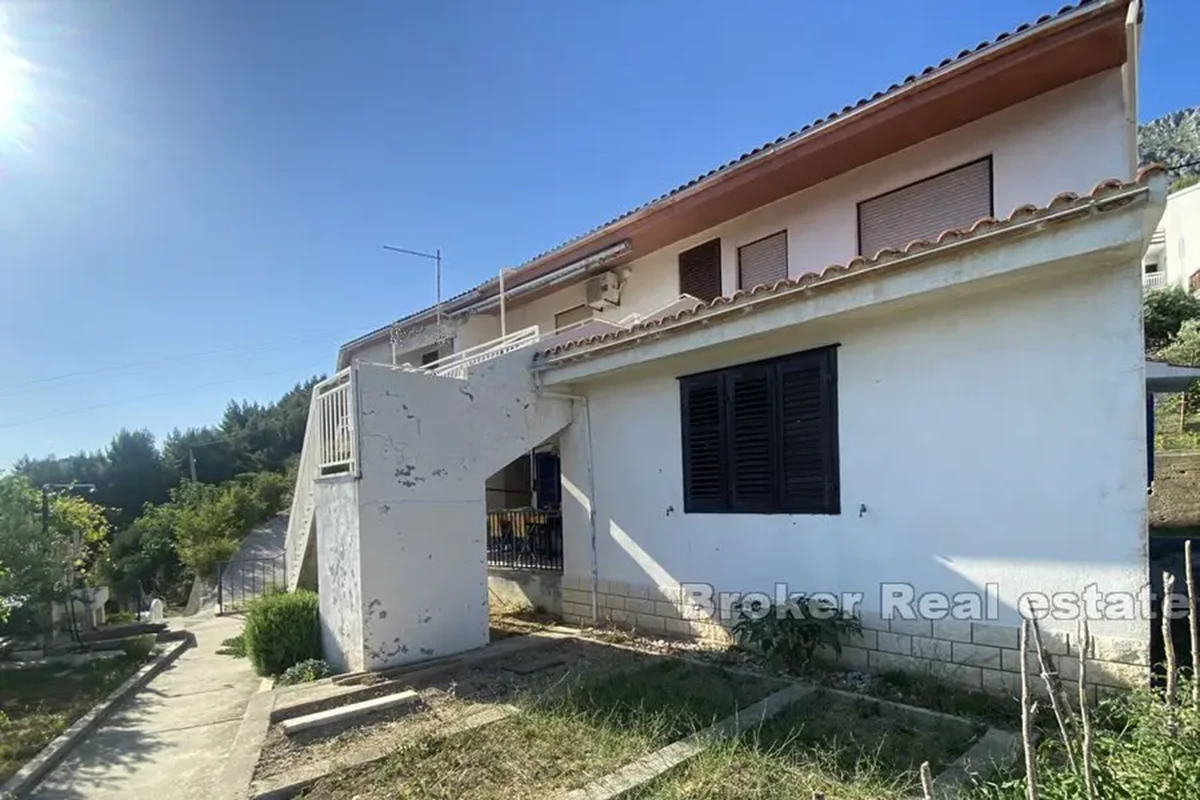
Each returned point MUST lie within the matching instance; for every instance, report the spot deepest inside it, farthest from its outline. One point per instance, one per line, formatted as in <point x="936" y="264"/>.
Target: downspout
<point x="1129" y="78"/>
<point x="587" y="418"/>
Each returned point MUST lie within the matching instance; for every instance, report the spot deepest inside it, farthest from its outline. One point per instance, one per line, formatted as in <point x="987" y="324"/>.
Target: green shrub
<point x="119" y="618"/>
<point x="282" y="630"/>
<point x="789" y="637"/>
<point x="307" y="671"/>
<point x="139" y="647"/>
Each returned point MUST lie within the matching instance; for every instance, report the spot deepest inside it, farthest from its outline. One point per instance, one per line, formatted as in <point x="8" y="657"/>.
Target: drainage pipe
<point x="587" y="417"/>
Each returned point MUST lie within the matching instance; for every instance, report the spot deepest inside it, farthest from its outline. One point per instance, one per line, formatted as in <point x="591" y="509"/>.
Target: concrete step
<point x="341" y="714"/>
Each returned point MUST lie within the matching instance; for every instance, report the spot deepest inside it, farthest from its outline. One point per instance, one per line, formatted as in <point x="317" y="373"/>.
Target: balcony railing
<point x="1153" y="280"/>
<point x="336" y="449"/>
<point x="525" y="538"/>
<point x="457" y="365"/>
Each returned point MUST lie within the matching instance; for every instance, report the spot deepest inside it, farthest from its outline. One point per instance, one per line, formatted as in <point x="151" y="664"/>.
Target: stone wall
<point x="972" y="654"/>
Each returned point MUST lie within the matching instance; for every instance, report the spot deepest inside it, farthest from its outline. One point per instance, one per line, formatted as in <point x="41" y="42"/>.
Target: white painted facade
<point x="991" y="414"/>
<point x="1063" y="141"/>
<point x="401" y="555"/>
<point x="961" y="462"/>
<point x="1174" y="254"/>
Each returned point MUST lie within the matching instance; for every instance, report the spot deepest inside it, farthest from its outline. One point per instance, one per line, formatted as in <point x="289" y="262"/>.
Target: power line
<point x="155" y="396"/>
<point x="165" y="359"/>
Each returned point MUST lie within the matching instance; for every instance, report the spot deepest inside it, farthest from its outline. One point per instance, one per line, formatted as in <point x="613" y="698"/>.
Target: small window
<point x="763" y="263"/>
<point x="762" y="438"/>
<point x="700" y="271"/>
<point x="1151" y="267"/>
<point x="571" y="316"/>
<point x="924" y="210"/>
<point x="429" y="357"/>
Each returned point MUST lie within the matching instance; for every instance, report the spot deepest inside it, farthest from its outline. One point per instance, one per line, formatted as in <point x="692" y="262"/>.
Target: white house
<point x="895" y="355"/>
<point x="1173" y="258"/>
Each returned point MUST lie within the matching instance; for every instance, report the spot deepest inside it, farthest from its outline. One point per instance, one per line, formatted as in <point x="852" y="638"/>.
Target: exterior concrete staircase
<point x="390" y="498"/>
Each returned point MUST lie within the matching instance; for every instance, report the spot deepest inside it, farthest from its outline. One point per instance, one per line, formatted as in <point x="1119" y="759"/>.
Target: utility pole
<point x="192" y="462"/>
<point x="435" y="256"/>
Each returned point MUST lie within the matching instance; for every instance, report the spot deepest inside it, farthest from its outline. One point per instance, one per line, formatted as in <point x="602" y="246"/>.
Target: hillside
<point x="1173" y="140"/>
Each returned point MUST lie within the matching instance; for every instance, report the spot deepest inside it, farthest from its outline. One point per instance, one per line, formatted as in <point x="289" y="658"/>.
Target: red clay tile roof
<point x="822" y="121"/>
<point x="480" y="291"/>
<point x="1103" y="191"/>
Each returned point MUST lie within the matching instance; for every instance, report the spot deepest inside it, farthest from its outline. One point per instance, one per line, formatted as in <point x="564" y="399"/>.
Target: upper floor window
<point x="762" y="437"/>
<point x="923" y="210"/>
<point x="764" y="262"/>
<point x="572" y="315"/>
<point x="700" y="271"/>
<point x="429" y="357"/>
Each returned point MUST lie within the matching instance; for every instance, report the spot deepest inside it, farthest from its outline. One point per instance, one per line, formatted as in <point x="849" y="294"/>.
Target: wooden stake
<point x="926" y="781"/>
<point x="1031" y="791"/>
<point x="1193" y="622"/>
<point x="1085" y="642"/>
<point x="1168" y="642"/>
<point x="1058" y="700"/>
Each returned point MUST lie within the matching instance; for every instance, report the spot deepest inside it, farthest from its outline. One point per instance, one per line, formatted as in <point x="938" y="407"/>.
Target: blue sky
<point x="194" y="193"/>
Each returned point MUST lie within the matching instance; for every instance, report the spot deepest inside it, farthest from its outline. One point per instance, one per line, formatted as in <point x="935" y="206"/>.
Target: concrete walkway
<point x="170" y="739"/>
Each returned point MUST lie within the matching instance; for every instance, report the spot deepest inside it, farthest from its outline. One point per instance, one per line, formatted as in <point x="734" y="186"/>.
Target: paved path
<point x="168" y="741"/>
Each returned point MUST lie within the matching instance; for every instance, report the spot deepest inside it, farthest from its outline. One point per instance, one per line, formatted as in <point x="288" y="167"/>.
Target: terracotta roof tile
<point x="1022" y="213"/>
<point x="1042" y="20"/>
<point x="781" y="140"/>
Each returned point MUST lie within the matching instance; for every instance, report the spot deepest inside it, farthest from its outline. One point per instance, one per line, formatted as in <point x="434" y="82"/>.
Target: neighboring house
<point x="1173" y="258"/>
<point x="898" y="350"/>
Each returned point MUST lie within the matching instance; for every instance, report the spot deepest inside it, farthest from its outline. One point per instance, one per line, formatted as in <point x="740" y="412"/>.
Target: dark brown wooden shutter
<point x="750" y="413"/>
<point x="700" y="271"/>
<point x="924" y="210"/>
<point x="763" y="263"/>
<point x="808" y="433"/>
<point x="703" y="444"/>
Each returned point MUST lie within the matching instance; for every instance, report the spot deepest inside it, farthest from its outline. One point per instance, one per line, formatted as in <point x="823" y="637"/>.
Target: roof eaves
<point x="819" y="125"/>
<point x="1100" y="198"/>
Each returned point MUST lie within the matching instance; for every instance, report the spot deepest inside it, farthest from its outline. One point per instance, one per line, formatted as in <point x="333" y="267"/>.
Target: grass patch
<point x="1142" y="750"/>
<point x="37" y="705"/>
<point x="559" y="741"/>
<point x="926" y="691"/>
<point x="234" y="646"/>
<point x="847" y="748"/>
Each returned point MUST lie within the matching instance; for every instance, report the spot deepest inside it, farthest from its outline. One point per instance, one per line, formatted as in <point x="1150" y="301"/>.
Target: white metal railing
<point x="303" y="498"/>
<point x="335" y="420"/>
<point x="457" y="364"/>
<point x="1153" y="280"/>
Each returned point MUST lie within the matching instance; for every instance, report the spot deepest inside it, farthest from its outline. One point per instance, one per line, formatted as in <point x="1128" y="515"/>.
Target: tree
<point x="1164" y="311"/>
<point x="39" y="563"/>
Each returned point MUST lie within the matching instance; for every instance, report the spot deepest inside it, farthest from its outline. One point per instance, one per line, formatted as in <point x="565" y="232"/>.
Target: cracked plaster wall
<point x="427" y="446"/>
<point x="338" y="571"/>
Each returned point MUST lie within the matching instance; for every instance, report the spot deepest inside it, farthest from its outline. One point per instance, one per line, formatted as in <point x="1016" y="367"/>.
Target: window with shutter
<point x="703" y="443"/>
<point x="762" y="437"/>
<point x="808" y="434"/>
<point x="763" y="263"/>
<point x="700" y="271"/>
<point x="750" y="441"/>
<point x="924" y="210"/>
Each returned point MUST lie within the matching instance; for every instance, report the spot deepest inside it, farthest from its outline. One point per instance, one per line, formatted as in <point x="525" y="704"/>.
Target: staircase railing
<point x="303" y="497"/>
<point x="457" y="364"/>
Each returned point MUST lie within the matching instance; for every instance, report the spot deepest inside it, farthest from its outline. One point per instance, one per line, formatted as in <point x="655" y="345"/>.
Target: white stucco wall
<point x="1181" y="223"/>
<point x="992" y="437"/>
<point x="1065" y="140"/>
<point x="338" y="576"/>
<point x="427" y="446"/>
